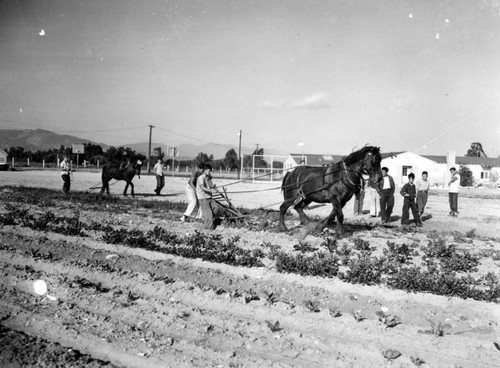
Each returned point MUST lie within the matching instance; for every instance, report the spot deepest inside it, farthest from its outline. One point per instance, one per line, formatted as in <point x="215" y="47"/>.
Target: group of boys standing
<point x="415" y="197"/>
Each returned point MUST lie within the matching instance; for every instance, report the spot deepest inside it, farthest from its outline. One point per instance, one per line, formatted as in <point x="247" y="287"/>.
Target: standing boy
<point x="160" y="178"/>
<point x="204" y="194"/>
<point x="453" y="184"/>
<point x="191" y="193"/>
<point x="65" y="170"/>
<point x="359" y="198"/>
<point x="409" y="192"/>
<point x="422" y="192"/>
<point x="386" y="191"/>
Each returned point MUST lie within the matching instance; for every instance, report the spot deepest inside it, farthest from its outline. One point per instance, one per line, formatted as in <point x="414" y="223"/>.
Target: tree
<point x="231" y="160"/>
<point x="203" y="158"/>
<point x="475" y="150"/>
<point x="494" y="175"/>
<point x="259" y="161"/>
<point x="466" y="176"/>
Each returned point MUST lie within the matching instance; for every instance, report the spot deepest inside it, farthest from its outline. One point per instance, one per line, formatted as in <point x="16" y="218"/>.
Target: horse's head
<point x="371" y="164"/>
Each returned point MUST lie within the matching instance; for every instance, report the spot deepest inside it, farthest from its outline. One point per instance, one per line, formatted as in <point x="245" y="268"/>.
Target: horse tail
<point x="286" y="178"/>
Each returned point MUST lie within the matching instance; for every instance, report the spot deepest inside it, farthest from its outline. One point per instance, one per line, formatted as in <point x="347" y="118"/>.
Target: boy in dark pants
<point x="386" y="191"/>
<point x="409" y="192"/>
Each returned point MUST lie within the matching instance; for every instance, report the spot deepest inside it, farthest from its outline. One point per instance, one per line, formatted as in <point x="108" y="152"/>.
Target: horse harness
<point x="350" y="184"/>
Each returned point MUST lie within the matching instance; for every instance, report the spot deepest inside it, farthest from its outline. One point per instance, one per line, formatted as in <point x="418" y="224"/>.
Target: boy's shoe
<point x="183" y="218"/>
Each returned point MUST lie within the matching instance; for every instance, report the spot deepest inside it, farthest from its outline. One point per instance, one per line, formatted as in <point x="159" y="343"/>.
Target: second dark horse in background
<point x="114" y="171"/>
<point x="335" y="184"/>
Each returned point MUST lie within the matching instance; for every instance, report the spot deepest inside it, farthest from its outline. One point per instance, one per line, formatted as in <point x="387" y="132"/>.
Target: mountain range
<point x="40" y="139"/>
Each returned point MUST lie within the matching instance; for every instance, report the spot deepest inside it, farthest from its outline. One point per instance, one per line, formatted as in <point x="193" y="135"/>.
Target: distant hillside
<point x="38" y="139"/>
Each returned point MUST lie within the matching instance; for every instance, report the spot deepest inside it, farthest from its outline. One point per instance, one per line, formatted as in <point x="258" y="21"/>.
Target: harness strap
<point x="353" y="185"/>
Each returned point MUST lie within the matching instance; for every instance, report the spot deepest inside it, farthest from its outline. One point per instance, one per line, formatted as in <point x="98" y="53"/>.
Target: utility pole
<point x="241" y="160"/>
<point x="149" y="151"/>
<point x="257" y="144"/>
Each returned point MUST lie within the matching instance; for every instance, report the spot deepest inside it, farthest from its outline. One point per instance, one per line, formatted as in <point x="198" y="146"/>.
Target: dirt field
<point x="155" y="303"/>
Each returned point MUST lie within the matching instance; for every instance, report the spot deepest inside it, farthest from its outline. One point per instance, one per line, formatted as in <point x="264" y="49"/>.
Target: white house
<point x="3" y="160"/>
<point x="403" y="163"/>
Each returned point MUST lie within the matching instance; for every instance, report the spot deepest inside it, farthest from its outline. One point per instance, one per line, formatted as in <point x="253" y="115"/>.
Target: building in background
<point x="4" y="165"/>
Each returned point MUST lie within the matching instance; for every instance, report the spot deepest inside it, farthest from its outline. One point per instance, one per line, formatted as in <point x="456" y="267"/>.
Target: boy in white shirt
<point x="453" y="184"/>
<point x="423" y="187"/>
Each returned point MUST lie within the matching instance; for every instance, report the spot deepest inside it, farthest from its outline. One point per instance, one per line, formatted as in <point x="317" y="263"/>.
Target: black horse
<point x="335" y="184"/>
<point x="115" y="171"/>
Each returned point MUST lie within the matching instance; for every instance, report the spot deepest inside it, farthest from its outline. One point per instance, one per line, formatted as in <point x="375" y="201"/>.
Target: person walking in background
<point x="65" y="170"/>
<point x="160" y="177"/>
<point x="409" y="192"/>
<point x="386" y="191"/>
<point x="359" y="198"/>
<point x="204" y="194"/>
<point x="191" y="193"/>
<point x="422" y="192"/>
<point x="453" y="184"/>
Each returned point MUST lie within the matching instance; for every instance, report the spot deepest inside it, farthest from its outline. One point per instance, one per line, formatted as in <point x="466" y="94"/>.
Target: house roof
<point x="390" y="154"/>
<point x="464" y="160"/>
<point x="315" y="160"/>
<point x="3" y="152"/>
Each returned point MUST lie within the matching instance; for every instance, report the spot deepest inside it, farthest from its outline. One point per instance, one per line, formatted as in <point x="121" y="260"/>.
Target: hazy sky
<point x="416" y="75"/>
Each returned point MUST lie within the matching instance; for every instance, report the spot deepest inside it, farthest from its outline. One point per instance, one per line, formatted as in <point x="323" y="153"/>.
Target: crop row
<point x="444" y="269"/>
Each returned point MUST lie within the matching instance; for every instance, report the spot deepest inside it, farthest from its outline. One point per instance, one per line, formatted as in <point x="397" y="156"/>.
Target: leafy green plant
<point x="389" y="320"/>
<point x="319" y="264"/>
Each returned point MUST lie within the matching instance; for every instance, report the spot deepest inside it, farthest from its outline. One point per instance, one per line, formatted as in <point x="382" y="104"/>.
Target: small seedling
<point x="438" y="330"/>
<point x="183" y="314"/>
<point x="388" y="319"/>
<point x="391" y="354"/>
<point x="132" y="297"/>
<point x="358" y="315"/>
<point x="417" y="361"/>
<point x="274" y="327"/>
<point x="251" y="296"/>
<point x="271" y="297"/>
<point x="313" y="306"/>
<point x="335" y="312"/>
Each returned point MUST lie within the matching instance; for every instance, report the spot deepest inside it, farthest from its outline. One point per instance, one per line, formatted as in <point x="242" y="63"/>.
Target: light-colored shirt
<point x="455" y="185"/>
<point x="387" y="183"/>
<point x="158" y="169"/>
<point x="200" y="193"/>
<point x="65" y="167"/>
<point x="423" y="185"/>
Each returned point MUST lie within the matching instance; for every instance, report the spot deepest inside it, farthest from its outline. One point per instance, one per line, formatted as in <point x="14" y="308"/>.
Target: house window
<point x="406" y="170"/>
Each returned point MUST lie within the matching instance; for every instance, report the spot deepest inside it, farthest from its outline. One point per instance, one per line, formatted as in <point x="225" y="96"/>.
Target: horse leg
<point x="283" y="208"/>
<point x="125" y="190"/>
<point x="132" y="189"/>
<point x="105" y="187"/>
<point x="336" y="212"/>
<point x="299" y="207"/>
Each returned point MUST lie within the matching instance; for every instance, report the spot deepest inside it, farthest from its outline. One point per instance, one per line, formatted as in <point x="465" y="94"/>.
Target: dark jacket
<point x="409" y="191"/>
<point x="391" y="181"/>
